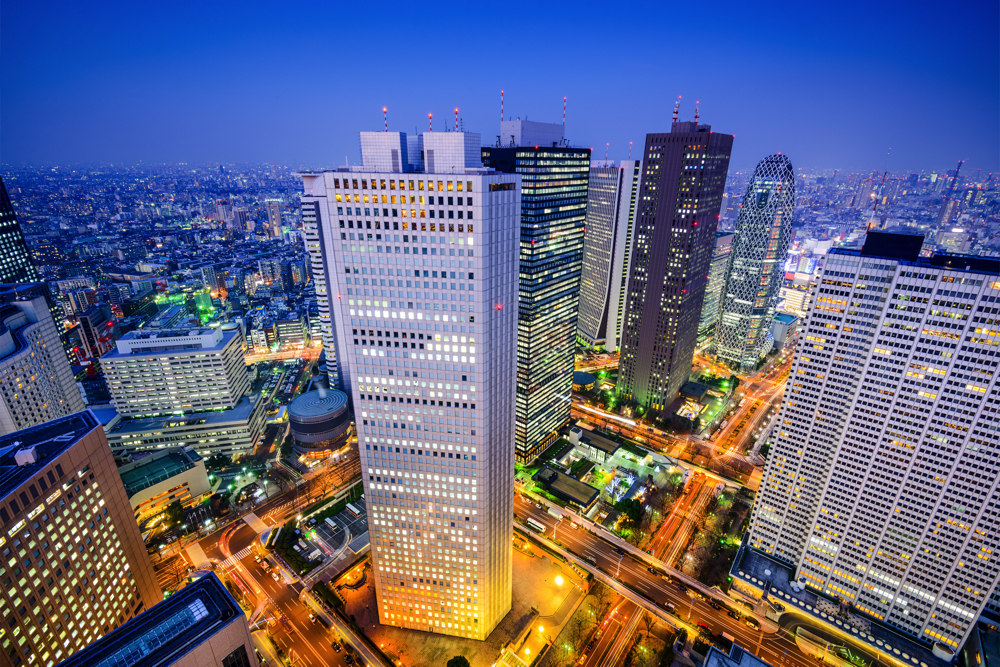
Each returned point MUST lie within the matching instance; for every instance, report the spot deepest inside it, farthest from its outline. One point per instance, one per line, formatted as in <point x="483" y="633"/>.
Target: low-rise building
<point x="167" y="475"/>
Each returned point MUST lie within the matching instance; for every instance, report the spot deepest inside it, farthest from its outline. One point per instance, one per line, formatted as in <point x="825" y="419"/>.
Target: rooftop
<point x="569" y="487"/>
<point x="318" y="403"/>
<point x="49" y="441"/>
<point x="785" y="318"/>
<point x="164" y="634"/>
<point x="239" y="413"/>
<point x="153" y="469"/>
<point x="900" y="247"/>
<point x="737" y="657"/>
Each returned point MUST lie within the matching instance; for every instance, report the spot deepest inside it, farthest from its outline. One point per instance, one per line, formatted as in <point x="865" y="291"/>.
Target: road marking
<point x="238" y="556"/>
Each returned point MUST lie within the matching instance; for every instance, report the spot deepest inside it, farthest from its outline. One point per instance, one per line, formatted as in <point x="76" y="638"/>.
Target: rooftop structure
<point x="173" y="474"/>
<point x="199" y="625"/>
<point x="320" y="422"/>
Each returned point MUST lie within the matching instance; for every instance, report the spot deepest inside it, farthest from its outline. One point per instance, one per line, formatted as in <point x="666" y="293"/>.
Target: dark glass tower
<point x="15" y="260"/>
<point x="683" y="178"/>
<point x="553" y="213"/>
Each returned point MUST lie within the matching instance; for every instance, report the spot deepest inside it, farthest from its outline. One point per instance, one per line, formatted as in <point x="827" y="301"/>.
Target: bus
<point x="535" y="526"/>
<point x="353" y="510"/>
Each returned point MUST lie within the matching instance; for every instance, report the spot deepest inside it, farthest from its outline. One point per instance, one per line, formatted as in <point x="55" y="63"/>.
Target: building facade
<point x="173" y="474"/>
<point x="611" y="200"/>
<point x="554" y="179"/>
<point x="683" y="178"/>
<point x="77" y="566"/>
<point x="169" y="371"/>
<point x="426" y="324"/>
<point x="97" y="330"/>
<point x="16" y="264"/>
<point x="880" y="488"/>
<point x="36" y="381"/>
<point x="273" y="217"/>
<point x="716" y="283"/>
<point x="756" y="265"/>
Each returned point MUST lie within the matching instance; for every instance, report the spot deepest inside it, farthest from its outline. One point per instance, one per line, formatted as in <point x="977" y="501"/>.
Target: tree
<point x="174" y="513"/>
<point x="459" y="661"/>
<point x="632" y="509"/>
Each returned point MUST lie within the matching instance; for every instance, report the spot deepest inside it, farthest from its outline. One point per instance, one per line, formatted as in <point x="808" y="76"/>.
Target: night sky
<point x="832" y="85"/>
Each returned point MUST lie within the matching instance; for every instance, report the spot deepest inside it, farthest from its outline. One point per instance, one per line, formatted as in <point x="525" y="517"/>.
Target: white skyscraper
<point x="881" y="488"/>
<point x="611" y="197"/>
<point x="421" y="274"/>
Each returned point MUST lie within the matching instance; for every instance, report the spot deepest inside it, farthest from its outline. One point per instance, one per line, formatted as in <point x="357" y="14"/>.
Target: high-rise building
<point x="171" y="371"/>
<point x="683" y="177"/>
<point x="611" y="202"/>
<point x="426" y="329"/>
<point x="716" y="283"/>
<point x="756" y="265"/>
<point x="881" y="488"/>
<point x="16" y="265"/>
<point x="76" y="564"/>
<point x="273" y="217"/>
<point x="97" y="330"/>
<point x="199" y="625"/>
<point x="36" y="381"/>
<point x="553" y="217"/>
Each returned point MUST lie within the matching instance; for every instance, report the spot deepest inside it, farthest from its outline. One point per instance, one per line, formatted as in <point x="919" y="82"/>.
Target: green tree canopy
<point x="174" y="512"/>
<point x="459" y="661"/>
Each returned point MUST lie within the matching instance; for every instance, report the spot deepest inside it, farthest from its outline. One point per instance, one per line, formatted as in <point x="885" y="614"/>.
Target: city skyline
<point x="865" y="85"/>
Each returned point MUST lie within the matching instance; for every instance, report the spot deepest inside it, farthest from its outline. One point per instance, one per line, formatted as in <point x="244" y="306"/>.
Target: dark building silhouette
<point x="683" y="179"/>
<point x="15" y="259"/>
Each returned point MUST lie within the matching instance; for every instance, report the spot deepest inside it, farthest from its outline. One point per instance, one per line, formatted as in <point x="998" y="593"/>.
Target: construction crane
<point x="949" y="196"/>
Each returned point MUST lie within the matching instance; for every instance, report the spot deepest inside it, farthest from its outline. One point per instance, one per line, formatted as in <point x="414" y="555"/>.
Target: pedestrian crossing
<point x="238" y="556"/>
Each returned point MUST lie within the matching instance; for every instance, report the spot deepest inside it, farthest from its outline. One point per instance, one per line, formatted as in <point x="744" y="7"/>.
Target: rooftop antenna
<point x="677" y="107"/>
<point x="564" y="114"/>
<point x="430" y="121"/>
<point x="385" y="116"/>
<point x="696" y="115"/>
<point x="501" y="106"/>
<point x="456" y="119"/>
<point x="630" y="150"/>
<point x="606" y="147"/>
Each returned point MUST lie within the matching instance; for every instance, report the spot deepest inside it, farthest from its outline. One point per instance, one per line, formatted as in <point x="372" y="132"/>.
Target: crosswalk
<point x="239" y="555"/>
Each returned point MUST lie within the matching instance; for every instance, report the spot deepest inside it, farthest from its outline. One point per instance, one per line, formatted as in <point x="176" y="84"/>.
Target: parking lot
<point x="333" y="538"/>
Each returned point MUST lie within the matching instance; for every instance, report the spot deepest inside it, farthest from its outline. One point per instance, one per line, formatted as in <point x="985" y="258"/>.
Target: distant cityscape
<point x="467" y="403"/>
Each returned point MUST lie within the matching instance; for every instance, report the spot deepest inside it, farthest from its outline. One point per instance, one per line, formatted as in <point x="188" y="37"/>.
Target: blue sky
<point x="829" y="84"/>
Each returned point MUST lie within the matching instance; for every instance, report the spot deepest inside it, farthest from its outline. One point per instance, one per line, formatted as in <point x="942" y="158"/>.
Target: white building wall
<point x="881" y="487"/>
<point x="437" y="447"/>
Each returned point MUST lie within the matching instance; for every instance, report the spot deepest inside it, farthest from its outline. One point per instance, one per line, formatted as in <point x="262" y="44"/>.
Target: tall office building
<point x="553" y="216"/>
<point x="756" y="265"/>
<point x="97" y="330"/>
<point x="36" y="382"/>
<point x="76" y="566"/>
<point x="881" y="485"/>
<point x="611" y="201"/>
<point x="426" y="328"/>
<point x="683" y="177"/>
<point x="273" y="217"/>
<point x="199" y="625"/>
<point x="173" y="371"/>
<point x="15" y="259"/>
<point x="716" y="283"/>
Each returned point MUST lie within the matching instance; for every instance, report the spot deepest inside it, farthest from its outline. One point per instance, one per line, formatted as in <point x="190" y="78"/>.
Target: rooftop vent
<point x="25" y="456"/>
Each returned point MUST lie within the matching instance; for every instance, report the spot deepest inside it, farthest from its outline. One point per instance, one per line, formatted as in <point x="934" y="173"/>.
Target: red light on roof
<point x="497" y="307"/>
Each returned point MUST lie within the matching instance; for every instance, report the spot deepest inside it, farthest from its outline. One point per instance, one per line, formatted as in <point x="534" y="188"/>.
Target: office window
<point x="237" y="658"/>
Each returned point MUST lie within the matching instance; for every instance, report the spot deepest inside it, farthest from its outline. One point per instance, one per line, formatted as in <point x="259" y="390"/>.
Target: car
<point x="714" y="605"/>
<point x="652" y="570"/>
<point x="682" y="587"/>
<point x="753" y="623"/>
<point x="538" y="505"/>
<point x="704" y="626"/>
<point x="274" y="575"/>
<point x="701" y="596"/>
<point x="336" y="646"/>
<point x="312" y="618"/>
<point x="733" y="614"/>
<point x="619" y="551"/>
<point x="349" y="660"/>
<point x="256" y="559"/>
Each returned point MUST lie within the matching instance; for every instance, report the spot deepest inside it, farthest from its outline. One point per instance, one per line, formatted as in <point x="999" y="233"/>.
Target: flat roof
<point x="156" y="468"/>
<point x="737" y="657"/>
<point x="168" y="631"/>
<point x="602" y="443"/>
<point x="317" y="403"/>
<point x="940" y="261"/>
<point x="241" y="412"/>
<point x="50" y="440"/>
<point x="785" y="318"/>
<point x="572" y="488"/>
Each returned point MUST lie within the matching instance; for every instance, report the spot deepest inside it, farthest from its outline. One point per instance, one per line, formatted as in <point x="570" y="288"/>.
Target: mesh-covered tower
<point x="763" y="230"/>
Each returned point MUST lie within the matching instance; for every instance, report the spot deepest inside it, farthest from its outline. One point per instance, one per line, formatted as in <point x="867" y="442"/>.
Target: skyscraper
<point x="553" y="215"/>
<point x="756" y="265"/>
<point x="426" y="329"/>
<point x="273" y="217"/>
<point x="716" y="283"/>
<point x="77" y="566"/>
<point x="97" y="330"/>
<point x="683" y="178"/>
<point x="36" y="382"/>
<point x="15" y="259"/>
<point x="881" y="485"/>
<point x="611" y="200"/>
